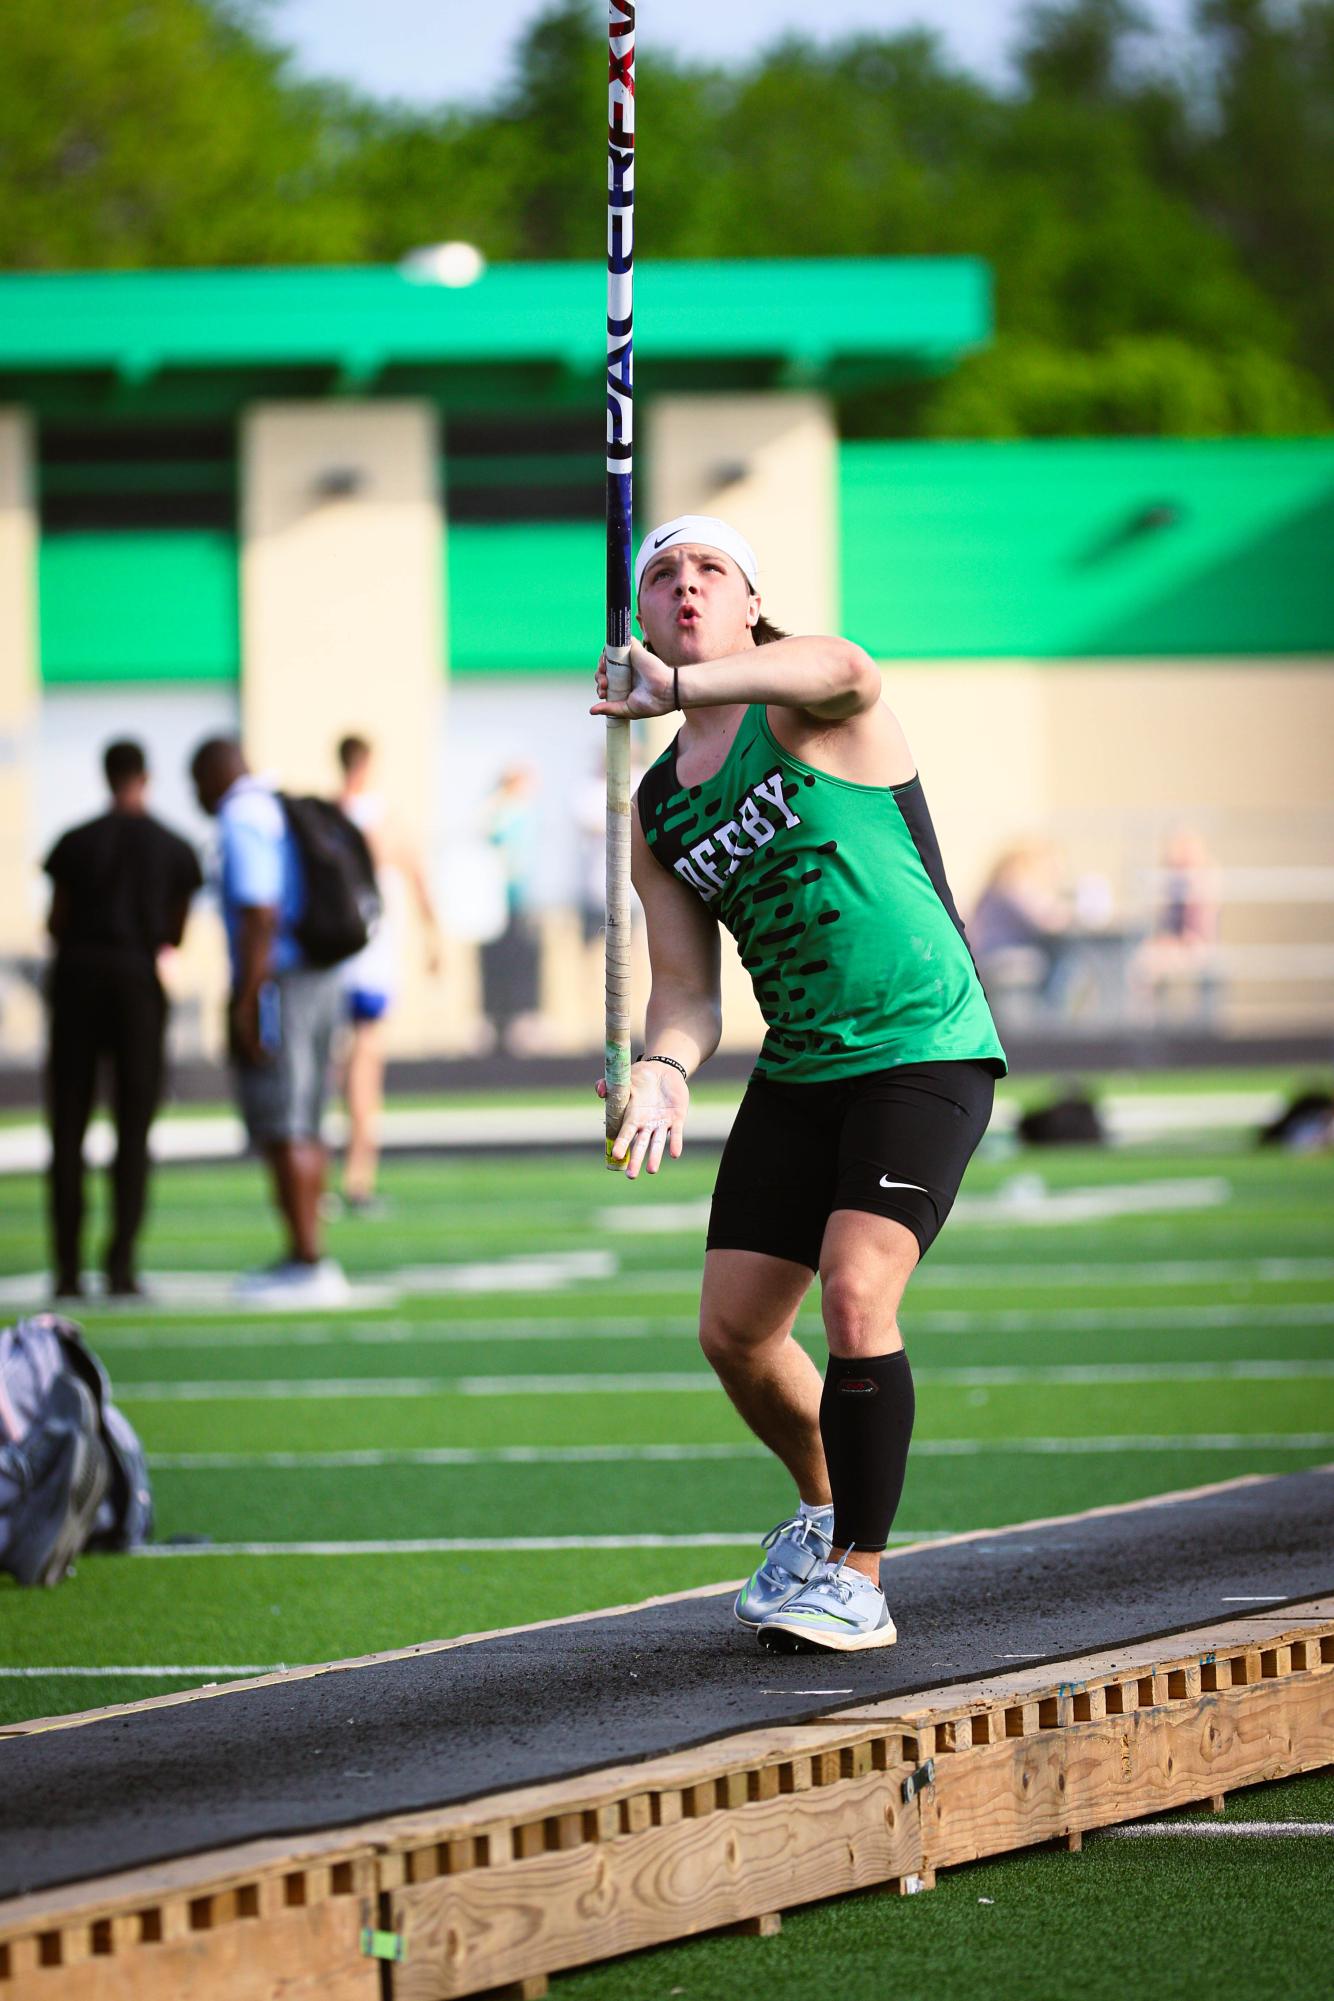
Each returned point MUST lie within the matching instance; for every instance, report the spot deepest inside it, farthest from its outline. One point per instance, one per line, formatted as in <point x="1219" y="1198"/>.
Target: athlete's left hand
<point x="655" y="1118"/>
<point x="651" y="687"/>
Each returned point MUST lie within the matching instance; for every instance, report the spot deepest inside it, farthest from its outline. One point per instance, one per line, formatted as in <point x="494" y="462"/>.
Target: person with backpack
<point x="297" y="893"/>
<point x="121" y="891"/>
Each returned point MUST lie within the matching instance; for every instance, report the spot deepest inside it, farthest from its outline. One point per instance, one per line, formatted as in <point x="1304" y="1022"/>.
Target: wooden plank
<point x="303" y="1952"/>
<point x="472" y="1932"/>
<point x="163" y="1883"/>
<point x="700" y="1767"/>
<point x="1013" y="1794"/>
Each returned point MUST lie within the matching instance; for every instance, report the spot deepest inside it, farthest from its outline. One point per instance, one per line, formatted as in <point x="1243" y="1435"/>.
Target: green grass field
<point x="515" y="1423"/>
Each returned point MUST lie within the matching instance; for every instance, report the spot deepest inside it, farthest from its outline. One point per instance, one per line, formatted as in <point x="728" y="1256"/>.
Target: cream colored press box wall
<point x="22" y="899"/>
<point x="342" y="586"/>
<point x="18" y="673"/>
<point x="769" y="465"/>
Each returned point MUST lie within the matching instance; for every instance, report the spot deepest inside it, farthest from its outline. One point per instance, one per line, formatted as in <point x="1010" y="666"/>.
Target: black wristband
<point x="671" y="1061"/>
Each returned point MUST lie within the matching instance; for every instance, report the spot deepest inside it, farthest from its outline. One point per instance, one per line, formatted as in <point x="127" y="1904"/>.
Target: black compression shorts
<point x="892" y="1142"/>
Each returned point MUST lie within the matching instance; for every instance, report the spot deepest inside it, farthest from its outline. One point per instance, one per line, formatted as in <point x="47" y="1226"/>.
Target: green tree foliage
<point x="1154" y="385"/>
<point x="161" y="132"/>
<point x="1264" y="169"/>
<point x="1162" y="234"/>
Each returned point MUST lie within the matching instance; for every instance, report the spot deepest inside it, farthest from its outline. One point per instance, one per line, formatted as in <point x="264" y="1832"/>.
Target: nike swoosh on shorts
<point x="885" y="1182"/>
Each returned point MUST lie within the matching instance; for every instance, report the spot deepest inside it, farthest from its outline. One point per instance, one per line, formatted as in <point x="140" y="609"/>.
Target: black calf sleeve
<point x="866" y="1418"/>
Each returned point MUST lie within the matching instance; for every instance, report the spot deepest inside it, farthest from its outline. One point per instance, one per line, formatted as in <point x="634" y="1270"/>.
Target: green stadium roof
<point x="522" y="334"/>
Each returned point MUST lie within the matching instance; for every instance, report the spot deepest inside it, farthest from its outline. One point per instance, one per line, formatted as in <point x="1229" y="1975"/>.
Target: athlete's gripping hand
<point x="652" y="687"/>
<point x="655" y="1118"/>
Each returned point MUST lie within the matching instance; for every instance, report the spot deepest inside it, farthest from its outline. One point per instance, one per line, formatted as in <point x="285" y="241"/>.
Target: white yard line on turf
<point x="394" y="1333"/>
<point x="1025" y="1199"/>
<point x="1165" y="1272"/>
<point x="629" y="1455"/>
<point x="542" y="1272"/>
<point x="24" y="1149"/>
<point x="1000" y="1377"/>
<point x="696" y="1382"/>
<point x="1128" y="1271"/>
<point x="1217" y="1830"/>
<point x="140" y="1673"/>
<point x="489" y="1545"/>
<point x="172" y="1297"/>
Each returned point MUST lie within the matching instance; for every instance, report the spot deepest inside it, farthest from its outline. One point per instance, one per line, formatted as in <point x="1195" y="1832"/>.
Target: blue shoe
<point x="798" y="1549"/>
<point x="839" y="1611"/>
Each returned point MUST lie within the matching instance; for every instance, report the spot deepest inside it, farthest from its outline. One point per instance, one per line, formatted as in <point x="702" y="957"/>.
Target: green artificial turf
<point x="1222" y="1314"/>
<point x="1182" y="1297"/>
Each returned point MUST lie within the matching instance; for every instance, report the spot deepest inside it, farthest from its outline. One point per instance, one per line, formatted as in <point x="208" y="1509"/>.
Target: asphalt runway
<point x="518" y="1709"/>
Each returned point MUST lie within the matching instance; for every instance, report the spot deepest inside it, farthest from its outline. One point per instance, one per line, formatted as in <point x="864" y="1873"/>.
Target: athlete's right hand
<point x="652" y="687"/>
<point x="655" y="1118"/>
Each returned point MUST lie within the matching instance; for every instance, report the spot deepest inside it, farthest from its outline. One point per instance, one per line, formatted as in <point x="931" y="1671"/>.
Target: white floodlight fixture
<point x="452" y="264"/>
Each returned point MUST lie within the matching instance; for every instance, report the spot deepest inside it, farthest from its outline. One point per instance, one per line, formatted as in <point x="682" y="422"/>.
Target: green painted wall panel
<point x="151" y="606"/>
<point x="959" y="550"/>
<point x="526" y="599"/>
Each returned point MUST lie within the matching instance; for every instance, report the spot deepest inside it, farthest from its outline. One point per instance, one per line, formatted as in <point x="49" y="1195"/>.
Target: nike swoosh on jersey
<point x="885" y="1182"/>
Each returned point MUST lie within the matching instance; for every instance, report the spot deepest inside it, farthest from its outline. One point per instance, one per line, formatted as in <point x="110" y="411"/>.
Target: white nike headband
<point x="704" y="528"/>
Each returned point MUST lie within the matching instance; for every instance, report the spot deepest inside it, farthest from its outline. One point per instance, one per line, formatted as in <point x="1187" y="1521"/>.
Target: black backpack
<point x="342" y="900"/>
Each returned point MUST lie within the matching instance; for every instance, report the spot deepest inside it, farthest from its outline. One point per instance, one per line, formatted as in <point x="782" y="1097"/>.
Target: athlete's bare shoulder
<point x="869" y="748"/>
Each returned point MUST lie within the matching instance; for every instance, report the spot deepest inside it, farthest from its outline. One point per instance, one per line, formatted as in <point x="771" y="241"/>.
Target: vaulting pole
<point x="620" y="503"/>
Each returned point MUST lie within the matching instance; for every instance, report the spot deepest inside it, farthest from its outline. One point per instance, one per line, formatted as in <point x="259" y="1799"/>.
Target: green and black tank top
<point x="836" y="896"/>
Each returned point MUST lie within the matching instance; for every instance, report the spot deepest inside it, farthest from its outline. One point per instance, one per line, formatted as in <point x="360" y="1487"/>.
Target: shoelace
<point x="837" y="1583"/>
<point x="796" y="1530"/>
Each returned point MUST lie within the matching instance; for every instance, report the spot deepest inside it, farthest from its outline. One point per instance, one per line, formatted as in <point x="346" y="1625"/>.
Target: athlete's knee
<point x="729" y="1339"/>
<point x="859" y="1317"/>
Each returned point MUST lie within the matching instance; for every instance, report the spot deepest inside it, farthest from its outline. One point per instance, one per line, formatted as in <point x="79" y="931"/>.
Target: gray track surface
<point x="550" y="1703"/>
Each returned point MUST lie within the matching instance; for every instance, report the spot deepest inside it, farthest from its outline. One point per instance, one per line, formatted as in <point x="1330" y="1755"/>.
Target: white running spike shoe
<point x="797" y="1550"/>
<point x="839" y="1611"/>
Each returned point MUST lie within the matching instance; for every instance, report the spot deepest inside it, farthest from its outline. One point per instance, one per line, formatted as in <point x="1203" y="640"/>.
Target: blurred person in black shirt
<point x="122" y="886"/>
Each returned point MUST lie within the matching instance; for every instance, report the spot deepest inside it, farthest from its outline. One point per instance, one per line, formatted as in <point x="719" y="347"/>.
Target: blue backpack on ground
<point x="72" y="1471"/>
